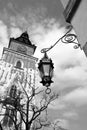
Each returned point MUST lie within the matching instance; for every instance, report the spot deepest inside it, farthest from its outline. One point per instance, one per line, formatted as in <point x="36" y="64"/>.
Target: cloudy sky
<point x="44" y="21"/>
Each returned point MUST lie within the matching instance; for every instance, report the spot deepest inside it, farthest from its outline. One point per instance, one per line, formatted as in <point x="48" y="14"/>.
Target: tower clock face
<point x="22" y="49"/>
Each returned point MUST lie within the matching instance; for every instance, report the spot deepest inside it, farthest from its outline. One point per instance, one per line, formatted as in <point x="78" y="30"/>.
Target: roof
<point x="23" y="39"/>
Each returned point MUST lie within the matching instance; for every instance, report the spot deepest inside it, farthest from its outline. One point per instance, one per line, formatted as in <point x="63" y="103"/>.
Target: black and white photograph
<point x="43" y="64"/>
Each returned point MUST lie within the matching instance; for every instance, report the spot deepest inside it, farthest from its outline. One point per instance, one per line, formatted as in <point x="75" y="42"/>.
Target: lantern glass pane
<point x="41" y="73"/>
<point x="51" y="72"/>
<point x="46" y="68"/>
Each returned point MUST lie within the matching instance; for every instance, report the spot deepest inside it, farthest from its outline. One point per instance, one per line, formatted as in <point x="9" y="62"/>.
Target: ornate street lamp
<point x="46" y="67"/>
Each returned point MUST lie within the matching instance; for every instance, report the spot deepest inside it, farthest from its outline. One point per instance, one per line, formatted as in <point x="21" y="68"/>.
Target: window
<point x="18" y="64"/>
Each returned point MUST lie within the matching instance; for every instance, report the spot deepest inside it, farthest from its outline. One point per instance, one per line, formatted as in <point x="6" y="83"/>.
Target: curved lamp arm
<point x="66" y="38"/>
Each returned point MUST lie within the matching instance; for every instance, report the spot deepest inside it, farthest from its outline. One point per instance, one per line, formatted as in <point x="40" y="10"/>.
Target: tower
<point x="17" y="60"/>
<point x="19" y="52"/>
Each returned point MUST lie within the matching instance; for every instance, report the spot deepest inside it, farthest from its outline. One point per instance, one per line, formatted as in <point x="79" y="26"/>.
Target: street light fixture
<point x="46" y="67"/>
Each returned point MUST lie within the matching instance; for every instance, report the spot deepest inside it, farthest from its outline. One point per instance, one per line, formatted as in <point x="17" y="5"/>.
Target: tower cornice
<point x="15" y="52"/>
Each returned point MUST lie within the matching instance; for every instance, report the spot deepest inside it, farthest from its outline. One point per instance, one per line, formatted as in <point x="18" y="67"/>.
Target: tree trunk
<point x="28" y="126"/>
<point x="1" y="127"/>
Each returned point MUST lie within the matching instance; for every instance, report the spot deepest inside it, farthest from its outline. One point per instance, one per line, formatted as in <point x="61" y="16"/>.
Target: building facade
<point x="17" y="62"/>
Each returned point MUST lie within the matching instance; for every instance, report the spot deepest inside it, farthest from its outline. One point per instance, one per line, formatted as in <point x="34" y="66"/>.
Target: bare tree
<point x="39" y="123"/>
<point x="56" y="125"/>
<point x="24" y="105"/>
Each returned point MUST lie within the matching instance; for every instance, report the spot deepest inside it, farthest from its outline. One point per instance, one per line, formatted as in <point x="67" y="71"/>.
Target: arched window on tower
<point x="18" y="64"/>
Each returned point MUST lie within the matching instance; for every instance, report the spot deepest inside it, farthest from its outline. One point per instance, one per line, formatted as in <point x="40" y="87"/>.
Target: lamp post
<point x="46" y="66"/>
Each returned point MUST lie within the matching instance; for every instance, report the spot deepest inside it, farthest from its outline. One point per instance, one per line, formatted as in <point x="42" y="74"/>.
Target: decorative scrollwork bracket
<point x="66" y="38"/>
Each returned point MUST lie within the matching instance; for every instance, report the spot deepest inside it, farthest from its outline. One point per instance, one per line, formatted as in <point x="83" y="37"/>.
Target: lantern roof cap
<point x="46" y="60"/>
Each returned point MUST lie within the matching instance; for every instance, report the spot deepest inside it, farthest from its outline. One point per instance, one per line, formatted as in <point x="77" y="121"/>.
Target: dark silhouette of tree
<point x="24" y="105"/>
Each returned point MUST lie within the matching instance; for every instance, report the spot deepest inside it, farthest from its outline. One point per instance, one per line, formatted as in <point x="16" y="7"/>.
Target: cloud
<point x="47" y="37"/>
<point x="58" y="104"/>
<point x="60" y="123"/>
<point x="3" y="36"/>
<point x="33" y="18"/>
<point x="70" y="67"/>
<point x="3" y="33"/>
<point x="15" y="32"/>
<point x="77" y="97"/>
<point x="70" y="115"/>
<point x="28" y="13"/>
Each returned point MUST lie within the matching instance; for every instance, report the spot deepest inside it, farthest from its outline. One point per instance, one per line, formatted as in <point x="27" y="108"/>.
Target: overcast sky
<point x="44" y="21"/>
